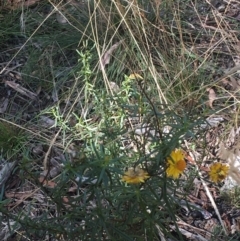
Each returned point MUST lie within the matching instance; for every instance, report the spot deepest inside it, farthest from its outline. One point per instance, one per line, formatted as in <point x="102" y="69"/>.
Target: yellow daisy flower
<point x="175" y="163"/>
<point x="218" y="171"/>
<point x="135" y="176"/>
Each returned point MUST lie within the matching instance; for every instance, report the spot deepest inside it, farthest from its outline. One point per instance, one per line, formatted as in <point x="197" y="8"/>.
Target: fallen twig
<point x="21" y="89"/>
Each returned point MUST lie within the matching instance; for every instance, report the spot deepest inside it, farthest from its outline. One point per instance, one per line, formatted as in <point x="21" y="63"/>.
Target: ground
<point x="95" y="96"/>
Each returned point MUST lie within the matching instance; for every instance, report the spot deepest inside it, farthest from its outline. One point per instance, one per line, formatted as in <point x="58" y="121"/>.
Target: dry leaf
<point x="47" y="183"/>
<point x="37" y="149"/>
<point x="232" y="156"/>
<point x="135" y="76"/>
<point x="189" y="159"/>
<point x="56" y="169"/>
<point x="55" y="95"/>
<point x="211" y="96"/>
<point x="225" y="81"/>
<point x="3" y="105"/>
<point x="61" y="18"/>
<point x="234" y="83"/>
<point x="46" y="122"/>
<point x="114" y="87"/>
<point x="65" y="199"/>
<point x="5" y="172"/>
<point x="223" y="153"/>
<point x="105" y="59"/>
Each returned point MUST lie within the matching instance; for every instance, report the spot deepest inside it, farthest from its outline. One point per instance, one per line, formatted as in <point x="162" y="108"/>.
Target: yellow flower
<point x="135" y="176"/>
<point x="176" y="163"/>
<point x="218" y="171"/>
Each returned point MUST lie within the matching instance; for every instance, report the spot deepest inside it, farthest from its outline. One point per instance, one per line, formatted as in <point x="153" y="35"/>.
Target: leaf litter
<point x="48" y="179"/>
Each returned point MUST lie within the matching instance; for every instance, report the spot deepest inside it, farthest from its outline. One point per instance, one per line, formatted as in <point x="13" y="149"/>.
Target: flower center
<point x="221" y="174"/>
<point x="181" y="165"/>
